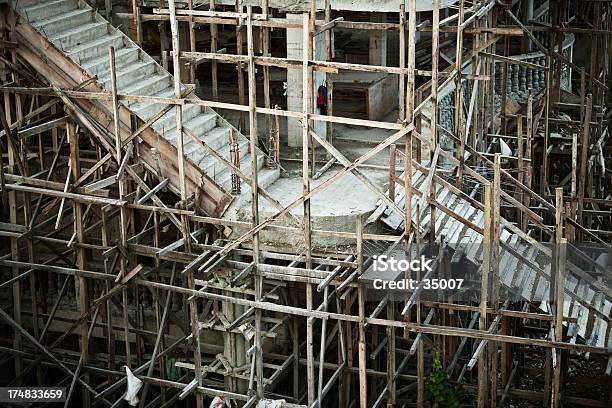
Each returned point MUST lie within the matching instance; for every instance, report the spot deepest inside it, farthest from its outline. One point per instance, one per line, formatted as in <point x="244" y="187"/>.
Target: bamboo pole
<point x="122" y="192"/>
<point x="402" y="60"/>
<point x="306" y="109"/>
<point x="213" y="49"/>
<point x="435" y="49"/>
<point x="253" y="141"/>
<point x="484" y="292"/>
<point x="137" y="22"/>
<point x="239" y="69"/>
<point x="363" y="382"/>
<point x="584" y="151"/>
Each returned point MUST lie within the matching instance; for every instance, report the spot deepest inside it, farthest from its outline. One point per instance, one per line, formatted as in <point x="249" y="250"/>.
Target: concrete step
<point x="224" y="177"/>
<point x="148" y="110"/>
<point x="201" y="155"/>
<point x="167" y="123"/>
<point x="265" y="176"/>
<point x="204" y="122"/>
<point x="101" y="66"/>
<point x="149" y="85"/>
<point x="218" y="138"/>
<point x="128" y="73"/>
<point x="94" y="49"/>
<point x="82" y="34"/>
<point x="212" y="165"/>
<point x="64" y="21"/>
<point x="200" y="120"/>
<point x="48" y="9"/>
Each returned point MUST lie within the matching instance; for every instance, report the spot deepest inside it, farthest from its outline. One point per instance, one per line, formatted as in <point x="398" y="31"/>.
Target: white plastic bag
<point x="219" y="402"/>
<point x="133" y="386"/>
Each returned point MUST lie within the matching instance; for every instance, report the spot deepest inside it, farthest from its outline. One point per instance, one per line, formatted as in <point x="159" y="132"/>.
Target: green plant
<point x="437" y="388"/>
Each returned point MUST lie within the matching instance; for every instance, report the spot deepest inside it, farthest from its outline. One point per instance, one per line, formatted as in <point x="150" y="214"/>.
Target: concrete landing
<point x="334" y="209"/>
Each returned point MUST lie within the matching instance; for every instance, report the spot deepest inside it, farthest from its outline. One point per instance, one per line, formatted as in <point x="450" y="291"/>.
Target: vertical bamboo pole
<point x="176" y="65"/>
<point x="557" y="288"/>
<point x="528" y="151"/>
<point x="402" y="60"/>
<point x="311" y="91"/>
<point x="329" y="52"/>
<point x="556" y="393"/>
<point x="547" y="102"/>
<point x="110" y="333"/>
<point x="265" y="34"/>
<point x="484" y="293"/>
<point x="495" y="282"/>
<point x="504" y="87"/>
<point x="595" y="66"/>
<point x="435" y="40"/>
<point x="29" y="220"/>
<point x="213" y="49"/>
<point x="295" y="351"/>
<point x="411" y="61"/>
<point x="459" y="93"/>
<point x="75" y="168"/>
<point x="520" y="167"/>
<point x="192" y="42"/>
<point x="322" y="351"/>
<point x="193" y="308"/>
<point x="163" y="37"/>
<point x="391" y="385"/>
<point x="122" y="192"/>
<point x="137" y="22"/>
<point x="392" y="176"/>
<point x="5" y="117"/>
<point x="306" y="108"/>
<point x="488" y="126"/>
<point x="574" y="181"/>
<point x="409" y="117"/>
<point x="255" y="200"/>
<point x="363" y="383"/>
<point x="584" y="152"/>
<point x="239" y="70"/>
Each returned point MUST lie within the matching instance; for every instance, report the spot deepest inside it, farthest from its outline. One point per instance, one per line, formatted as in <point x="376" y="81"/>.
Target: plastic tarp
<point x="133" y="386"/>
<point x="220" y="402"/>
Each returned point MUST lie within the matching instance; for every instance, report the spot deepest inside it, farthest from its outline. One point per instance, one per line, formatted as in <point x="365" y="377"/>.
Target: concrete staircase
<point x="85" y="37"/>
<point x="525" y="264"/>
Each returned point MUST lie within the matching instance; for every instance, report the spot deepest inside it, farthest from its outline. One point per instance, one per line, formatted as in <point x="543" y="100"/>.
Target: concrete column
<point x="295" y="49"/>
<point x="378" y="41"/>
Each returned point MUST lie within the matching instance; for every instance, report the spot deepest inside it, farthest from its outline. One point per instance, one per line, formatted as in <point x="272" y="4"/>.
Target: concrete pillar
<point x="378" y="41"/>
<point x="295" y="49"/>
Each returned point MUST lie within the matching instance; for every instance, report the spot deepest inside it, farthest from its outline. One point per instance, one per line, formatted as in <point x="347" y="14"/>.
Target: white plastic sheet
<point x="505" y="149"/>
<point x="133" y="386"/>
<point x="220" y="402"/>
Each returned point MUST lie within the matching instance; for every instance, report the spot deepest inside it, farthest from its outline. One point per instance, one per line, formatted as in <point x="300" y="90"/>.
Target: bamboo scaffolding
<point x="147" y="266"/>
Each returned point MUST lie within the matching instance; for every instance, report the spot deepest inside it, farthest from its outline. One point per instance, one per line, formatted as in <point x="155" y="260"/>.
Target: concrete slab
<point x="336" y="208"/>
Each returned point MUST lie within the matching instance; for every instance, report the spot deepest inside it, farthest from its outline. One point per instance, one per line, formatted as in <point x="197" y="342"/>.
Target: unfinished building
<point x="195" y="196"/>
